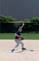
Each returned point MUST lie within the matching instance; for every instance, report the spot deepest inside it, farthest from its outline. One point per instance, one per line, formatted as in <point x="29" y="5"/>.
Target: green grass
<point x="6" y="35"/>
<point x="25" y="35"/>
<point x="31" y="35"/>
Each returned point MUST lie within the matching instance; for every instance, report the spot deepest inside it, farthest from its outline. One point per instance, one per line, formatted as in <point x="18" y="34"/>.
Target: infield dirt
<point x="7" y="55"/>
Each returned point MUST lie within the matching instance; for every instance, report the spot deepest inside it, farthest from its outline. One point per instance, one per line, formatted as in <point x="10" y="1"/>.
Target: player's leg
<point x="22" y="44"/>
<point x="17" y="44"/>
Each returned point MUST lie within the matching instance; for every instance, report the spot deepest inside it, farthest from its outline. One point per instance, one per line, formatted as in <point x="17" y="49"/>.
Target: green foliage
<point x="9" y="19"/>
<point x="35" y="20"/>
<point x="9" y="24"/>
<point x="6" y="19"/>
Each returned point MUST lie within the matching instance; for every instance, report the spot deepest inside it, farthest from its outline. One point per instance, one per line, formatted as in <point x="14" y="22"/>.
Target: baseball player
<point x="18" y="38"/>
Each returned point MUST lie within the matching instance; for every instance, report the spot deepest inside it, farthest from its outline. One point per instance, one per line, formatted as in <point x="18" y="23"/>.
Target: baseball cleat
<point x="23" y="48"/>
<point x="12" y="50"/>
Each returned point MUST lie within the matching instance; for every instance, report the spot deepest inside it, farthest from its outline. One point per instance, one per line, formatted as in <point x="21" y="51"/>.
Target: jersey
<point x="18" y="33"/>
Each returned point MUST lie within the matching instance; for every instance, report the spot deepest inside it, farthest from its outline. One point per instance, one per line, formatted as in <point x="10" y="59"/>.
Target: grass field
<point x="25" y="35"/>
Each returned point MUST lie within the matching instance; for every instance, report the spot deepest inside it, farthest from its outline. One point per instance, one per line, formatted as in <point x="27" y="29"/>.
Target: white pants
<point x="18" y="41"/>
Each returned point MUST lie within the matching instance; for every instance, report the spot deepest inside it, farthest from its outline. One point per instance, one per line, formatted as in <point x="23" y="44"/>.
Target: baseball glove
<point x="22" y="38"/>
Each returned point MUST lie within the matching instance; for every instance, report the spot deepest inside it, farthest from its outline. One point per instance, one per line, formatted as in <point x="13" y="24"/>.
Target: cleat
<point x="12" y="50"/>
<point x="23" y="48"/>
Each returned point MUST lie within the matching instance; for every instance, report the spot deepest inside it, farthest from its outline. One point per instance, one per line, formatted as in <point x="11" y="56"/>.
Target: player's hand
<point x="23" y="23"/>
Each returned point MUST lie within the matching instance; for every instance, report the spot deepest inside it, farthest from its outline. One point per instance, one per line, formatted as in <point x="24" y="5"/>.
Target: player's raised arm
<point x="22" y="26"/>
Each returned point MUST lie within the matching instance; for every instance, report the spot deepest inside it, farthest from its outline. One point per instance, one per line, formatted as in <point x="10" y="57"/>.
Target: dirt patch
<point x="7" y="45"/>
